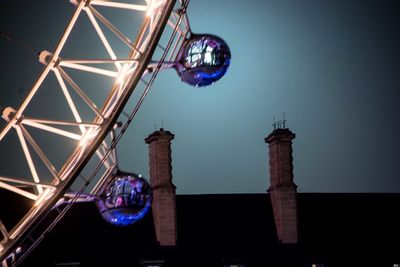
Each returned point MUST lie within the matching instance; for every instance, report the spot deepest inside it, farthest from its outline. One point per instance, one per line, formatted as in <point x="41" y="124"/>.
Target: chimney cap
<point x="280" y="134"/>
<point x="160" y="134"/>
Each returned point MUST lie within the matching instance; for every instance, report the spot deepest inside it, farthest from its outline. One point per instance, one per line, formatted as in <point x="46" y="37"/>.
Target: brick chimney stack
<point x="282" y="189"/>
<point x="164" y="200"/>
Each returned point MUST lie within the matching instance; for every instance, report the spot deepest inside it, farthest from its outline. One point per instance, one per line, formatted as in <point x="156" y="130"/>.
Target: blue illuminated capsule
<point x="203" y="59"/>
<point x="125" y="199"/>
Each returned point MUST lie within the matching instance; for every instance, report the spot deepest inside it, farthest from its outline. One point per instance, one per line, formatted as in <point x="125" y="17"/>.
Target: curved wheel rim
<point x="45" y="194"/>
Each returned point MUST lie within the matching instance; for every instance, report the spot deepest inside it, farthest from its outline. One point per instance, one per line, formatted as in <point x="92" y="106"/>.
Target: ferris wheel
<point x="69" y="123"/>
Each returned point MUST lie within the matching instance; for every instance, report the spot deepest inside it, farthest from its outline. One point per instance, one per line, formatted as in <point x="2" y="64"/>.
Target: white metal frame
<point x="90" y="134"/>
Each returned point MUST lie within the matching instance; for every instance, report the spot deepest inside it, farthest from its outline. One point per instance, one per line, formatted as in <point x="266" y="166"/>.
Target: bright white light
<point x="152" y="5"/>
<point x="122" y="74"/>
<point x="87" y="137"/>
<point x="44" y="196"/>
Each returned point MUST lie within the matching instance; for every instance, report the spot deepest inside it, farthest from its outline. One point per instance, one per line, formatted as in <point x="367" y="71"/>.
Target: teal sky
<point x="331" y="66"/>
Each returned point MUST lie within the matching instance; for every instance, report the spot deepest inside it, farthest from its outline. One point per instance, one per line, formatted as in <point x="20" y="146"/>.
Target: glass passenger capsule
<point x="203" y="59"/>
<point x="125" y="199"/>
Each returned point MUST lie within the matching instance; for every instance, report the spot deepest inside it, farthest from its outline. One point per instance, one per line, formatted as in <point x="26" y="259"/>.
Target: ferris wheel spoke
<point x="112" y="28"/>
<point x="91" y="69"/>
<point x="102" y="37"/>
<point x="18" y="190"/>
<point x="153" y="7"/>
<point x="81" y="93"/>
<point x="119" y="5"/>
<point x="3" y="231"/>
<point x="79" y="7"/>
<point x="24" y="104"/>
<point x="24" y="182"/>
<point x="52" y="129"/>
<point x="15" y="185"/>
<point x="98" y="61"/>
<point x="143" y="37"/>
<point x="28" y="158"/>
<point x="40" y="153"/>
<point x="69" y="99"/>
<point x="57" y="122"/>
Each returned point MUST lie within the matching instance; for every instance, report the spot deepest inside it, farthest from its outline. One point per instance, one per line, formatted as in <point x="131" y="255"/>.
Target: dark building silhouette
<point x="278" y="228"/>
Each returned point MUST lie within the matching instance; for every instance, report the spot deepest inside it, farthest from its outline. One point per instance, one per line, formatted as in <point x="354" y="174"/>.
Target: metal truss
<point x="69" y="145"/>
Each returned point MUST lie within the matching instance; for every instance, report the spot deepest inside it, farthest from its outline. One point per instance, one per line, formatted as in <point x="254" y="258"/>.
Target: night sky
<point x="331" y="66"/>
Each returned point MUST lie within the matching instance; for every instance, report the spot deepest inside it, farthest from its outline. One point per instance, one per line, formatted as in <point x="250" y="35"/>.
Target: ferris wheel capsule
<point x="125" y="199"/>
<point x="203" y="59"/>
